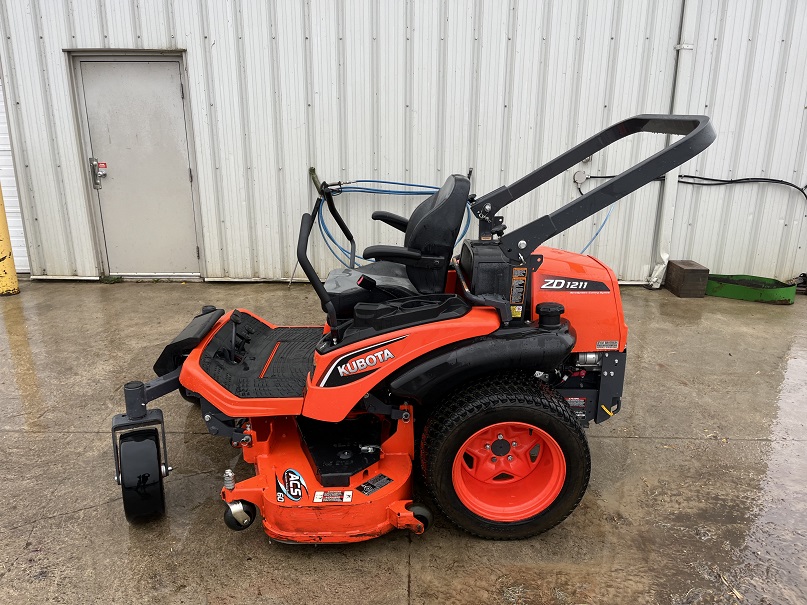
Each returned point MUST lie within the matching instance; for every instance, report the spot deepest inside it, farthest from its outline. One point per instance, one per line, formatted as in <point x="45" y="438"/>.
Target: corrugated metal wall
<point x="415" y="91"/>
<point x="11" y="199"/>
<point x="751" y="76"/>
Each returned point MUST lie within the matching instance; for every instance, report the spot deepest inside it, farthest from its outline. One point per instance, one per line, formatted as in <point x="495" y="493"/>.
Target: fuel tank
<point x="589" y="292"/>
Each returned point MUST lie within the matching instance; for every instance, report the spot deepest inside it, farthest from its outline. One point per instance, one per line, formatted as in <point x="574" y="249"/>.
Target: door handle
<point x="97" y="173"/>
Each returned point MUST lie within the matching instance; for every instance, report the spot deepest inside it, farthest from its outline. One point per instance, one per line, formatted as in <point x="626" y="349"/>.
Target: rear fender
<point x="343" y="375"/>
<point x="526" y="348"/>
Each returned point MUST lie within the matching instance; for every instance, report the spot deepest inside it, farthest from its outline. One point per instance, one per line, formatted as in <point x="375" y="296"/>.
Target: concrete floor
<point x="697" y="487"/>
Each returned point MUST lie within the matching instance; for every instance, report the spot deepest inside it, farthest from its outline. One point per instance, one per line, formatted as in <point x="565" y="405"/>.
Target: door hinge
<point x="181" y="90"/>
<point x="197" y="252"/>
<point x="190" y="174"/>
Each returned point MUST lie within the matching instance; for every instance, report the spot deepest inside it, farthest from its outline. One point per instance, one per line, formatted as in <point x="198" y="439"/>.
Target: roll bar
<point x="698" y="135"/>
<point x="302" y="257"/>
<point x="306" y="225"/>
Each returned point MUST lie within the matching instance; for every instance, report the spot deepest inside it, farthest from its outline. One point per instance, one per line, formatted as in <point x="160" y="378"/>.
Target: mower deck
<point x="300" y="501"/>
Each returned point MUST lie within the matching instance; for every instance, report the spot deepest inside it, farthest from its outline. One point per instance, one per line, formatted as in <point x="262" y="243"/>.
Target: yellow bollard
<point x="8" y="274"/>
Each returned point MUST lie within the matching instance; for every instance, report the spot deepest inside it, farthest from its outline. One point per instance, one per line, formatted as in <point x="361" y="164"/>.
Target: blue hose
<point x="348" y="189"/>
<point x="397" y="183"/>
<point x="327" y="235"/>
<point x="597" y="232"/>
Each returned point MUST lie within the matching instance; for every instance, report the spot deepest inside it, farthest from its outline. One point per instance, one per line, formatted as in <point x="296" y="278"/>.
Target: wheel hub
<point x="509" y="471"/>
<point x="500" y="447"/>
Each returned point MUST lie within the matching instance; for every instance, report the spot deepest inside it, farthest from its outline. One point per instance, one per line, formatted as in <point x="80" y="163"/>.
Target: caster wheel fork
<point x="239" y="514"/>
<point x="424" y="515"/>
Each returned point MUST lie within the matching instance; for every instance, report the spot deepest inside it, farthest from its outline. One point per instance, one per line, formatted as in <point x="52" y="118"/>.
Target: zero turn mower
<point x="482" y="369"/>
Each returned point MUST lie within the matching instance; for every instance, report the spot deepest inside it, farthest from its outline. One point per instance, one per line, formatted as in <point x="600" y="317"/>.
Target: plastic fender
<point x="509" y="348"/>
<point x="342" y="376"/>
<point x="589" y="292"/>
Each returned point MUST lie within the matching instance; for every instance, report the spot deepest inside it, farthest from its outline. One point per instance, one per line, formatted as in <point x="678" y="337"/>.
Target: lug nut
<point x="515" y="444"/>
<point x="494" y="459"/>
<point x="487" y="446"/>
<point x="509" y="458"/>
<point x="501" y="436"/>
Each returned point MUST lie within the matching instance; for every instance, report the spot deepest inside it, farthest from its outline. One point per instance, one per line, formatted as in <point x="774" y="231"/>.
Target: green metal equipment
<point x="752" y="288"/>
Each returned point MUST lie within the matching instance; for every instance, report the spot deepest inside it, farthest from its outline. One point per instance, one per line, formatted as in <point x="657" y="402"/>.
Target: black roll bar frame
<point x="698" y="133"/>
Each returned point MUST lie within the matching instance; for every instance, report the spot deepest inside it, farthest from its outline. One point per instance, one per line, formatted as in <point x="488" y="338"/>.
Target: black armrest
<point x="405" y="256"/>
<point x="393" y="220"/>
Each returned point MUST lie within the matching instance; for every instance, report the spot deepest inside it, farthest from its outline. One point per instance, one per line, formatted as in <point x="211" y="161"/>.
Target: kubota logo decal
<point x="362" y="363"/>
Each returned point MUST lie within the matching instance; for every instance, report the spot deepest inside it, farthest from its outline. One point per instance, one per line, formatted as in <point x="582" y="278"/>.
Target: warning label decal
<point x="578" y="405"/>
<point x="518" y="286"/>
<point x="374" y="484"/>
<point x="334" y="496"/>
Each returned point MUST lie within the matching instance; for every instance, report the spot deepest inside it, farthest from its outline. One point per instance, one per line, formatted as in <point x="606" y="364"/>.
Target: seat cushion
<point x="391" y="282"/>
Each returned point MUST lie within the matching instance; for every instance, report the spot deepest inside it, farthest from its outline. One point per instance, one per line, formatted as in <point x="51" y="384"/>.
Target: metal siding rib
<point x="10" y="195"/>
<point x="156" y="28"/>
<point x="406" y="90"/>
<point x="292" y="121"/>
<point x="259" y="113"/>
<point x="749" y="77"/>
<point x="15" y="126"/>
<point x="192" y="35"/>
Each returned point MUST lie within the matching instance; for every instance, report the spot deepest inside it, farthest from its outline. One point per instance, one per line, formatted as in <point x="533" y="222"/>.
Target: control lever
<point x="231" y="354"/>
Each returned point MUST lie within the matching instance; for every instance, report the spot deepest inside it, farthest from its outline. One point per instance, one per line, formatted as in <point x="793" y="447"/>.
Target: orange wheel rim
<point x="509" y="471"/>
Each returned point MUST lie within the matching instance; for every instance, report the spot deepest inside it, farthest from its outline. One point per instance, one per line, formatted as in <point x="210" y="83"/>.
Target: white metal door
<point x="137" y="134"/>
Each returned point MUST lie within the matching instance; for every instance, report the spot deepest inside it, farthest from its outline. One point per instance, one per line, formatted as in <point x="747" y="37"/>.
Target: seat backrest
<point x="433" y="228"/>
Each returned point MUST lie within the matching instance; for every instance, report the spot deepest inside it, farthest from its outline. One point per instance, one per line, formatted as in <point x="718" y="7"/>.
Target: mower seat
<point x="420" y="266"/>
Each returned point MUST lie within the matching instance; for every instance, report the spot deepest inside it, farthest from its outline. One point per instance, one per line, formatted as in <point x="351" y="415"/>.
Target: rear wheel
<point x="141" y="475"/>
<point x="505" y="457"/>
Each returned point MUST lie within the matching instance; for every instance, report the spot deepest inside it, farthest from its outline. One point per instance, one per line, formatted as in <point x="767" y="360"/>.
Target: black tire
<point x="141" y="475"/>
<point x="231" y="522"/>
<point x="513" y="397"/>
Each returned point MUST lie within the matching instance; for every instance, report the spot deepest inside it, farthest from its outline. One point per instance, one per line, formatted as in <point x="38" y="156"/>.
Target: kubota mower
<point x="481" y="369"/>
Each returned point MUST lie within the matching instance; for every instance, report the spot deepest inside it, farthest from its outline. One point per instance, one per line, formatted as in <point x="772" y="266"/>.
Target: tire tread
<point x="518" y="388"/>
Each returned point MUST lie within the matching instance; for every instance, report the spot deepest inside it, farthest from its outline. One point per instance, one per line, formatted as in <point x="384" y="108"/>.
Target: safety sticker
<point x="578" y="405"/>
<point x="516" y="310"/>
<point x="334" y="496"/>
<point x="607" y="344"/>
<point x="373" y="485"/>
<point x="518" y="286"/>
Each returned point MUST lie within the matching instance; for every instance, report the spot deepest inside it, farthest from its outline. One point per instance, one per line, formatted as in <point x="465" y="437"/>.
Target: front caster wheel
<point x="424" y="515"/>
<point x="505" y="457"/>
<point x="141" y="477"/>
<point x="239" y="515"/>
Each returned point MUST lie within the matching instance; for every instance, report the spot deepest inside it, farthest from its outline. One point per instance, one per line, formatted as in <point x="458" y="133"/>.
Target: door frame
<point x="76" y="57"/>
